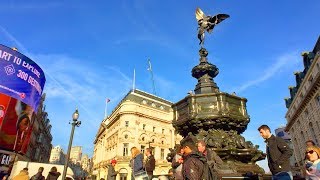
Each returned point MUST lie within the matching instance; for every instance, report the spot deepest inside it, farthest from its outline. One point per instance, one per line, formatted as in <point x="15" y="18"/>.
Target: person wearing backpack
<point x="193" y="161"/>
<point x="213" y="160"/>
<point x="39" y="175"/>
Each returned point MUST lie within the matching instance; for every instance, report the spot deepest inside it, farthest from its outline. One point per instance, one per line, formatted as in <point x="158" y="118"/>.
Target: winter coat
<point x="212" y="158"/>
<point x="278" y="153"/>
<point x="23" y="175"/>
<point x="38" y="176"/>
<point x="150" y="164"/>
<point x="53" y="176"/>
<point x="313" y="170"/>
<point x="193" y="166"/>
<point x="112" y="174"/>
<point x="177" y="167"/>
<point x="137" y="164"/>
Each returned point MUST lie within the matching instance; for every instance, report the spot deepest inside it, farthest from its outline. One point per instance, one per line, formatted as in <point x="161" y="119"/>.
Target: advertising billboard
<point x="15" y="125"/>
<point x="21" y="86"/>
<point x="20" y="77"/>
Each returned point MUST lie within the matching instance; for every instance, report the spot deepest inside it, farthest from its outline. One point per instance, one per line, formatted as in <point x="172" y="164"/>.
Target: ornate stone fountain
<point x="218" y="118"/>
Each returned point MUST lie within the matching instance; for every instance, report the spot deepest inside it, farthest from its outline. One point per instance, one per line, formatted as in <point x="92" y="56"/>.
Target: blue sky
<point x="88" y="51"/>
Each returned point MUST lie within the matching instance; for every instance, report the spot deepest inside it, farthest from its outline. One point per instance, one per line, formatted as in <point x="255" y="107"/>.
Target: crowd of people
<point x="194" y="161"/>
<point x="24" y="175"/>
<point x="190" y="162"/>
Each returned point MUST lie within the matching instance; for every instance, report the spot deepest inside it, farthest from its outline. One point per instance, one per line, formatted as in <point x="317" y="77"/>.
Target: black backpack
<point x="208" y="173"/>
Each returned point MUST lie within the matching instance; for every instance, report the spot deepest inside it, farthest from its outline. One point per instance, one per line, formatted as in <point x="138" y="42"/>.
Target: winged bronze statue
<point x="207" y="23"/>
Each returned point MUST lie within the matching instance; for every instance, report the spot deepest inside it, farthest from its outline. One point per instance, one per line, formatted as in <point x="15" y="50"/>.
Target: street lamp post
<point x="74" y="123"/>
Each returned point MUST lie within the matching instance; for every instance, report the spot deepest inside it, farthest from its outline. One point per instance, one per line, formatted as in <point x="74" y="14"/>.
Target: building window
<point x="142" y="138"/>
<point x="125" y="149"/>
<point x="144" y="102"/>
<point x="306" y="113"/>
<point x="127" y="123"/>
<point x="161" y="142"/>
<point x="314" y="135"/>
<point x="142" y="149"/>
<point x="123" y="176"/>
<point x="152" y="140"/>
<point x="318" y="100"/>
<point x="318" y="126"/>
<point x="303" y="137"/>
<point x="154" y="129"/>
<point x="162" y="153"/>
<point x="144" y="126"/>
<point x="162" y="131"/>
<point x="126" y="136"/>
<point x="311" y="79"/>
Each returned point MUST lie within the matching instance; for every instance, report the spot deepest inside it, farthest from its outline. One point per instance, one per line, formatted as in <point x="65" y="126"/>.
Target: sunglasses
<point x="310" y="152"/>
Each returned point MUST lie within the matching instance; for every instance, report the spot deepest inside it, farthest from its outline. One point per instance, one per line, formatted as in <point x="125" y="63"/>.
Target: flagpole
<point x="105" y="110"/>
<point x="134" y="80"/>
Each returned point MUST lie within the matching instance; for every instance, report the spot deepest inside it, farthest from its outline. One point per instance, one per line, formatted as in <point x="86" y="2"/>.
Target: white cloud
<point x="282" y="62"/>
<point x="83" y="84"/>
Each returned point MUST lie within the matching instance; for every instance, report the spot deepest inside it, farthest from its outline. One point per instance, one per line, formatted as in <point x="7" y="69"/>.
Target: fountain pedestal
<point x="218" y="118"/>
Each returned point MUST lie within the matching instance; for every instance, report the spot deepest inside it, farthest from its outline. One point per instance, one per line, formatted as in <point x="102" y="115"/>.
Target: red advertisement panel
<point x="15" y="125"/>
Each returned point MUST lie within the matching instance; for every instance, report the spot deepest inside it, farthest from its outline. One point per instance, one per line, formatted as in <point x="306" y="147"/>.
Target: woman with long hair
<point x="313" y="163"/>
<point x="136" y="162"/>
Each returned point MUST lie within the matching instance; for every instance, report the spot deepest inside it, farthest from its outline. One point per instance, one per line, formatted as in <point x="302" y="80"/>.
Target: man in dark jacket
<point x="150" y="164"/>
<point x="193" y="161"/>
<point x="39" y="175"/>
<point x="112" y="174"/>
<point x="212" y="158"/>
<point x="53" y="174"/>
<point x="278" y="154"/>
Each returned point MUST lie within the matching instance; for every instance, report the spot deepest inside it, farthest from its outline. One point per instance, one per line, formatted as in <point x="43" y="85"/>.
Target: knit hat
<point x="113" y="161"/>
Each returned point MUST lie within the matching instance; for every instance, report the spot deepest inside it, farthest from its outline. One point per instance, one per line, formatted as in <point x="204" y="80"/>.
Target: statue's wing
<point x="218" y="18"/>
<point x="199" y="14"/>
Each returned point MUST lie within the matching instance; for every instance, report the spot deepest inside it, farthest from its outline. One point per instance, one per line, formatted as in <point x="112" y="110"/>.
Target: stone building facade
<point x="303" y="115"/>
<point x="39" y="148"/>
<point x="76" y="154"/>
<point x="86" y="164"/>
<point x="57" y="156"/>
<point x="140" y="120"/>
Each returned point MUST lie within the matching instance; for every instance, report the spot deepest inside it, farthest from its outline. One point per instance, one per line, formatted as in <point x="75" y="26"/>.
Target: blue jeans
<point x="282" y="176"/>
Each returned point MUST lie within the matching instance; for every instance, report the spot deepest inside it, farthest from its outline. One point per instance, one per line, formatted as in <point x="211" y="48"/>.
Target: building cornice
<point x="308" y="96"/>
